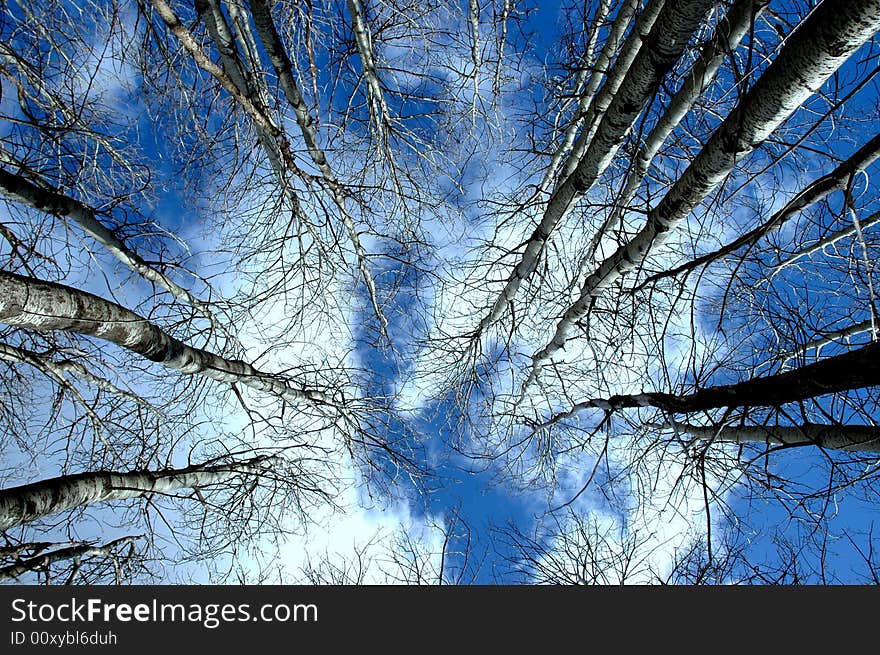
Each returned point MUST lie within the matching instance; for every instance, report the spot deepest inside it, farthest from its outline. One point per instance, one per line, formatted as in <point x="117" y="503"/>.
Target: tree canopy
<point x="486" y="291"/>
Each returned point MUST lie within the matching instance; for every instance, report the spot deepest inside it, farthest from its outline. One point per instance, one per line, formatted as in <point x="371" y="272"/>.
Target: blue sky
<point x="484" y="165"/>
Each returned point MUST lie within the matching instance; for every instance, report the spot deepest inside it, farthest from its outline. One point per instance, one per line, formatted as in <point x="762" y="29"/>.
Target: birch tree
<point x="107" y="413"/>
<point x="222" y="503"/>
<point x="813" y="53"/>
<point x="256" y="254"/>
<point x="88" y="563"/>
<point x="30" y="502"/>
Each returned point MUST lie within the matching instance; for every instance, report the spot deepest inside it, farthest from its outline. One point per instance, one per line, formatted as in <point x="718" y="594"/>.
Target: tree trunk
<point x="257" y="114"/>
<point x="596" y="72"/>
<point x="728" y="34"/>
<point x="856" y="369"/>
<point x="271" y="41"/>
<point x="215" y="22"/>
<point x="832" y="336"/>
<point x="40" y="305"/>
<point x="853" y="438"/>
<point x="29" y="502"/>
<point x="364" y="44"/>
<point x="836" y="180"/>
<point x="53" y="202"/>
<point x="76" y="553"/>
<point x="822" y="43"/>
<point x="667" y="40"/>
<point x="615" y="79"/>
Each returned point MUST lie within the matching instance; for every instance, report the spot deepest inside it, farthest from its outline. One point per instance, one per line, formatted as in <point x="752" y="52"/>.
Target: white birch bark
<point x="836" y="180"/>
<point x="45" y="306"/>
<point x="271" y="137"/>
<point x="502" y="39"/>
<point x="51" y="201"/>
<point x="218" y="29"/>
<point x="660" y="49"/>
<point x="817" y="48"/>
<point x="29" y="502"/>
<point x="256" y="113"/>
<point x="75" y="552"/>
<point x="249" y="49"/>
<point x="852" y="438"/>
<point x="615" y="76"/>
<point x="586" y="83"/>
<point x="271" y="40"/>
<point x="476" y="56"/>
<point x="868" y="263"/>
<point x="729" y="32"/>
<point x="375" y="96"/>
<point x="672" y="30"/>
<point x="833" y="336"/>
<point x="215" y="22"/>
<point x="589" y="77"/>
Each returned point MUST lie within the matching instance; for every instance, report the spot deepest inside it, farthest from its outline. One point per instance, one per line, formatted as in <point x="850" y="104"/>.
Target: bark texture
<point x="831" y="34"/>
<point x="856" y="369"/>
<point x="728" y="34"/>
<point x="29" y="502"/>
<point x="40" y="305"/>
<point x="52" y="202"/>
<point x="836" y="180"/>
<point x="663" y="46"/>
<point x="851" y="438"/>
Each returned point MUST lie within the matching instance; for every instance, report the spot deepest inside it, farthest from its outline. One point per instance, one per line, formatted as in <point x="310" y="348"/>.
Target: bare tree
<point x="75" y="563"/>
<point x="29" y="502"/>
<point x="254" y="254"/>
